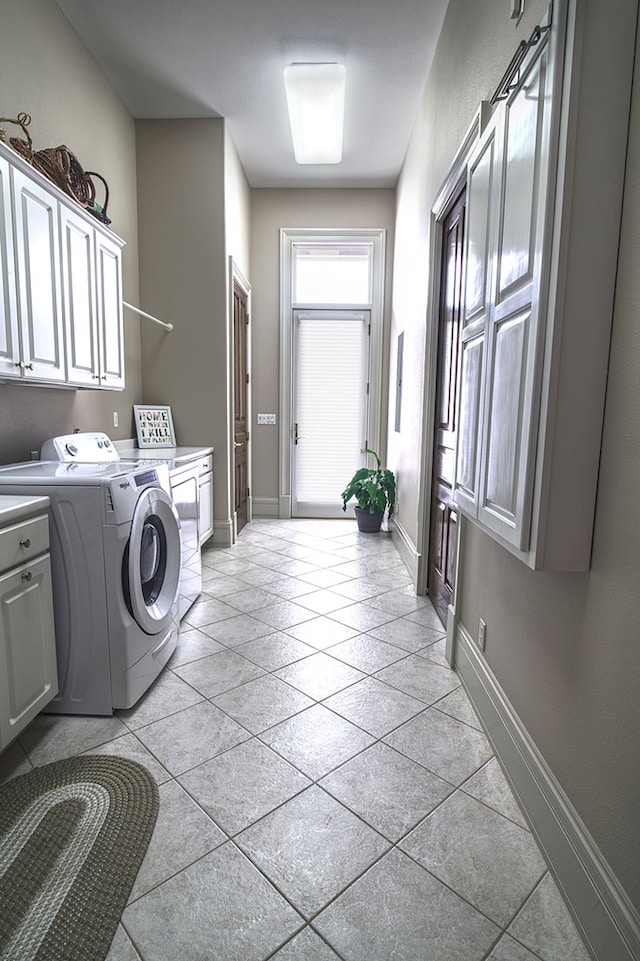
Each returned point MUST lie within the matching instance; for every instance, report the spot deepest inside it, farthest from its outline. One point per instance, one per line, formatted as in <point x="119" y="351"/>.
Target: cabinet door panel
<point x="110" y="313"/>
<point x="483" y="182"/>
<point x="27" y="646"/>
<point x="79" y="282"/>
<point x="469" y="422"/>
<point x="480" y="190"/>
<point x="522" y="180"/>
<point x="516" y="319"/>
<point x="36" y="216"/>
<point x="504" y="424"/>
<point x="206" y="507"/>
<point x="9" y="338"/>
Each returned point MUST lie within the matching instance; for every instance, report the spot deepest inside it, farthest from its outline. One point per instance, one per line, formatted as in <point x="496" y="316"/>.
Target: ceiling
<point x="225" y="58"/>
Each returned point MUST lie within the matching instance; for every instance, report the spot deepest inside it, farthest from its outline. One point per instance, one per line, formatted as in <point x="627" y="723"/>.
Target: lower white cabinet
<point x="205" y="483"/>
<point x="28" y="675"/>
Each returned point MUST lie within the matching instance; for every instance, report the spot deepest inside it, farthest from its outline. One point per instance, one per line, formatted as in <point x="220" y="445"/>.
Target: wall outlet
<point x="115" y="418"/>
<point x="482" y="635"/>
<point x="266" y="418"/>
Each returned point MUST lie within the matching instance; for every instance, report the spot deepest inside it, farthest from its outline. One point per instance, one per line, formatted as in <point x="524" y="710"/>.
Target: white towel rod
<point x="148" y="316"/>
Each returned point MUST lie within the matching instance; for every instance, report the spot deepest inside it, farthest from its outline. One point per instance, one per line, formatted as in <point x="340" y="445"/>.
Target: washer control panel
<point x="88" y="447"/>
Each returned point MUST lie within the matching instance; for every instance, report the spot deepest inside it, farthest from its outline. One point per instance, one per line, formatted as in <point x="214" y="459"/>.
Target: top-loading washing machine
<point x="115" y="563"/>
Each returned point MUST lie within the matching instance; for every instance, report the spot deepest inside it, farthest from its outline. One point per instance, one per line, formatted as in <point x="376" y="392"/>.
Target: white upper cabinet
<point x="534" y="350"/>
<point x="60" y="285"/>
<point x="508" y="213"/>
<point x="109" y="299"/>
<point x="92" y="281"/>
<point x="478" y="248"/>
<point x="79" y="280"/>
<point x="39" y="294"/>
<point x="9" y="340"/>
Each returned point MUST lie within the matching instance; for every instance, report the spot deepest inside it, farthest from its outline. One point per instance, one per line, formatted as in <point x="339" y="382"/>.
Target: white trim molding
<point x="235" y="275"/>
<point x="405" y="547"/>
<point x="223" y="533"/>
<point x="607" y="921"/>
<point x="289" y="236"/>
<point x="265" y="507"/>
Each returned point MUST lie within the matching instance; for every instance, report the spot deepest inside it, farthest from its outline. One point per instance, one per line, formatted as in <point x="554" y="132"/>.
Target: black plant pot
<point x="368" y="523"/>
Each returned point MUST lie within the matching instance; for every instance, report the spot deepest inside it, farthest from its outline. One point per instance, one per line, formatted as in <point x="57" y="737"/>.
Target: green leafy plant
<point x="373" y="488"/>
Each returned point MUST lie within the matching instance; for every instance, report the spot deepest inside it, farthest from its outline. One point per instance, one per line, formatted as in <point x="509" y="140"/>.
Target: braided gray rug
<point x="72" y="837"/>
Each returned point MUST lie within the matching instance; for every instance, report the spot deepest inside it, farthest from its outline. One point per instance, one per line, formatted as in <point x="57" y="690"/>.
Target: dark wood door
<point x="241" y="379"/>
<point x="444" y="516"/>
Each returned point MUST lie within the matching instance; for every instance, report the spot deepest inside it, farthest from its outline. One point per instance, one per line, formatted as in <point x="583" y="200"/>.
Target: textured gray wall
<point x="565" y="648"/>
<point x="47" y="73"/>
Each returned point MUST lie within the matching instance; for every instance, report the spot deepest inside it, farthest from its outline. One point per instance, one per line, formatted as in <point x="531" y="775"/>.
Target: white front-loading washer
<point x="115" y="563"/>
<point x="184" y="480"/>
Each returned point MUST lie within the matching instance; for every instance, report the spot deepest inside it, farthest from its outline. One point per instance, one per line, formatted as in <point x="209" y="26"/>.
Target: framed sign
<point x="154" y="426"/>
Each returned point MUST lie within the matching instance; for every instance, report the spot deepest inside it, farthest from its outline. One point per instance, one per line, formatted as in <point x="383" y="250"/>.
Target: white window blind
<point x="331" y="374"/>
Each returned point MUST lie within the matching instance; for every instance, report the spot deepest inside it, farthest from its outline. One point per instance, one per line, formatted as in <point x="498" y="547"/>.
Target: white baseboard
<point x="264" y="507"/>
<point x="405" y="547"/>
<point x="604" y="915"/>
<point x="223" y="533"/>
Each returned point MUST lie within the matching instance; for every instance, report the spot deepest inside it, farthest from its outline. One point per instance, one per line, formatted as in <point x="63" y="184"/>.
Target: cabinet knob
<point x="26" y="575"/>
<point x="20" y="364"/>
<point x="30" y="366"/>
<point x="25" y="542"/>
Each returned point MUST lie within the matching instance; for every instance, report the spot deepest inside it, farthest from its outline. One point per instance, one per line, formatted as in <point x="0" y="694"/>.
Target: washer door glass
<point x="153" y="562"/>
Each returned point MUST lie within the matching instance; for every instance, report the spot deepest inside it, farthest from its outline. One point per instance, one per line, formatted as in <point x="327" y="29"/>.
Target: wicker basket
<point x="62" y="167"/>
<point x="100" y="210"/>
<point x="23" y="147"/>
<point x="59" y="164"/>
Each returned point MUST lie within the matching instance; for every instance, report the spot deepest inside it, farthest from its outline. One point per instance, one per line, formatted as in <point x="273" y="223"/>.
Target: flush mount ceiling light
<point x="315" y="97"/>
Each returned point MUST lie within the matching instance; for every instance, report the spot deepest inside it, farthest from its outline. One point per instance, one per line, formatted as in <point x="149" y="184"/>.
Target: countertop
<point x="16" y="507"/>
<point x="128" y="451"/>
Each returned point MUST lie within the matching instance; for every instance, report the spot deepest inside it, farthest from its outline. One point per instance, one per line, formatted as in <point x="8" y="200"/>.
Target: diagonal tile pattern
<point x="327" y="791"/>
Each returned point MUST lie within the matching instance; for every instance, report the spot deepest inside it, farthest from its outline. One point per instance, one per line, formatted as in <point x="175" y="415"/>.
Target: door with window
<point x="240" y="426"/>
<point x="332" y="301"/>
<point x="330" y="408"/>
<point x="444" y="515"/>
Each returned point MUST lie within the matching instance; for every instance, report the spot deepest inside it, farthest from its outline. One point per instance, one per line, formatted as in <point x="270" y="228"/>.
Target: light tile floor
<point x="327" y="791"/>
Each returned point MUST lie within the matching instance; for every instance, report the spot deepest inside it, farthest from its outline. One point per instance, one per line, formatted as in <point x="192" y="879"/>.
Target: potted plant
<point x="375" y="491"/>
